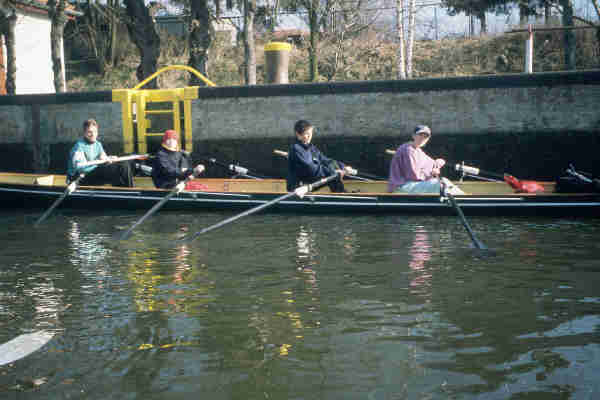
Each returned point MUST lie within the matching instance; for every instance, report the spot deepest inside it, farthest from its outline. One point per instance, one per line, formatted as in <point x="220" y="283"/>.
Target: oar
<point x="73" y="185"/>
<point x="241" y="171"/>
<point x="113" y="160"/>
<point x="352" y="175"/>
<point x="452" y="202"/>
<point x="300" y="192"/>
<point x="520" y="186"/>
<point x="176" y="190"/>
<point x="70" y="189"/>
<point x="469" y="171"/>
<point x="23" y="345"/>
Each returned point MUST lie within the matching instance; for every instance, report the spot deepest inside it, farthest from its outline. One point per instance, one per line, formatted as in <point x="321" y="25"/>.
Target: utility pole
<point x="435" y="21"/>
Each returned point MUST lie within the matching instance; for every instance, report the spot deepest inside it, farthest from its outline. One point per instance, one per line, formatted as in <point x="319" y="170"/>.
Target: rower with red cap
<point x="171" y="166"/>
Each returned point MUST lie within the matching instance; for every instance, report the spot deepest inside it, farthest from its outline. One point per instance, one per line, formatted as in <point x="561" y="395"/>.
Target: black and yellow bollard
<point x="277" y="56"/>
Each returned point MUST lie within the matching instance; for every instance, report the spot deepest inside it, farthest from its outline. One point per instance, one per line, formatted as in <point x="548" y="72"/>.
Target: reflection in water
<point x="87" y="251"/>
<point x="166" y="280"/>
<point x="420" y="253"/>
<point x="306" y="251"/>
<point x="364" y="308"/>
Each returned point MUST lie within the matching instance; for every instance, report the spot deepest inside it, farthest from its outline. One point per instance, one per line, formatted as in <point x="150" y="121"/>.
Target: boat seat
<point x="47" y="180"/>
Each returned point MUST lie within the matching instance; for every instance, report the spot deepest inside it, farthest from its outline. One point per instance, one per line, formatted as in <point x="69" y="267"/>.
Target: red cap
<point x="170" y="134"/>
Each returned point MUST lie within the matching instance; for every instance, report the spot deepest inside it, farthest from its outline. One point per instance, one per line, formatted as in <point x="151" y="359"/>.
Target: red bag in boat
<point x="523" y="186"/>
<point x="195" y="186"/>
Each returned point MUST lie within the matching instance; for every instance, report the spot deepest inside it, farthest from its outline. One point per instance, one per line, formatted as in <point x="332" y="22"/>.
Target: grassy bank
<point x="361" y="58"/>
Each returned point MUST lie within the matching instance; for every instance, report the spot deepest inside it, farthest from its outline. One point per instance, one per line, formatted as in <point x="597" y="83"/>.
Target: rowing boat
<point x="481" y="198"/>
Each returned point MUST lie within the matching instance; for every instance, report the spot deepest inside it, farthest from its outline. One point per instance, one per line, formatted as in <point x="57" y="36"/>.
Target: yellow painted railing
<point x="136" y="113"/>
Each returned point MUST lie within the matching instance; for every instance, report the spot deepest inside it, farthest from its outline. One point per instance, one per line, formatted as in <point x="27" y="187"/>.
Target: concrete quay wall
<point x="529" y="125"/>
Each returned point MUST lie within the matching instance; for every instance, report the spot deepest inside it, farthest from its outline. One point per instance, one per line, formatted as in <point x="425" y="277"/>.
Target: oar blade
<point x="178" y="188"/>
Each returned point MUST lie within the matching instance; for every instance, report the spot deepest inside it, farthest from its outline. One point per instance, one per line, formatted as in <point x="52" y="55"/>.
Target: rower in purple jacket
<point x="413" y="171"/>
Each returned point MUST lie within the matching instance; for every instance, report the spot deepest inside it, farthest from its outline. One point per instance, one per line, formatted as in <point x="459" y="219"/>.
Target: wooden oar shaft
<point x="236" y="217"/>
<point x="462" y="218"/>
<point x="178" y="188"/>
<point x="117" y="159"/>
<point x="70" y="189"/>
<point x="300" y="192"/>
<point x="364" y="177"/>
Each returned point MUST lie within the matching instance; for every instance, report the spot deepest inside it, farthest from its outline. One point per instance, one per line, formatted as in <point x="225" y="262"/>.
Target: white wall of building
<point x="33" y="52"/>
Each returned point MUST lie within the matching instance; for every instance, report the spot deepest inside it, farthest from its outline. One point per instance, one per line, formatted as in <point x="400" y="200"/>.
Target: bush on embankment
<point x="360" y="58"/>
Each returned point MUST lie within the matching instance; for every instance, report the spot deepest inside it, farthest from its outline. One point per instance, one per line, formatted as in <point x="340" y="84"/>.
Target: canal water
<point x="299" y="307"/>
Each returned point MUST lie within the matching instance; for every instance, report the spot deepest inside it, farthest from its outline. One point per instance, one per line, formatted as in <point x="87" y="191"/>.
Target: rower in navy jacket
<point x="170" y="165"/>
<point x="306" y="164"/>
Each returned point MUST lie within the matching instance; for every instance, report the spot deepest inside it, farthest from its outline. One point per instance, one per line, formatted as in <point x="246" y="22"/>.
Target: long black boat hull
<point x="102" y="198"/>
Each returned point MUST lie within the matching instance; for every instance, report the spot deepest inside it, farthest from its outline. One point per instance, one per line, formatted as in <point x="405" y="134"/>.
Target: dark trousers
<point x="337" y="186"/>
<point x="117" y="174"/>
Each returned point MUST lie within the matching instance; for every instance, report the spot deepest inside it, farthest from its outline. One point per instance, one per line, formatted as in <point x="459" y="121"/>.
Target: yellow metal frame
<point x="139" y="98"/>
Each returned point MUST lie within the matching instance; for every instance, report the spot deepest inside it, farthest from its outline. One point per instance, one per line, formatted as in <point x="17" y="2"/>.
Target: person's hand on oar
<point x="342" y="172"/>
<point x="74" y="184"/>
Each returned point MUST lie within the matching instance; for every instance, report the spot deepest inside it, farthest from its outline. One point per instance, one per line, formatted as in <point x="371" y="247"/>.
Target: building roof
<point x="41" y="6"/>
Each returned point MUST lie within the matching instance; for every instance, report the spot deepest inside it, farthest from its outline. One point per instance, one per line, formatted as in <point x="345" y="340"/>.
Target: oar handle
<point x="236" y="169"/>
<point x="116" y="159"/>
<point x="352" y="174"/>
<point x="475" y="171"/>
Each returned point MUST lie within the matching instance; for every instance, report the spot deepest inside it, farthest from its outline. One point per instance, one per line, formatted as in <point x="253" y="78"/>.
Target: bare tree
<point x="400" y="60"/>
<point x="344" y="25"/>
<point x="569" y="35"/>
<point x="411" y="37"/>
<point x="143" y="33"/>
<point x="200" y="38"/>
<point x="249" y="45"/>
<point x="8" y="22"/>
<point x="56" y="12"/>
<point x="405" y="44"/>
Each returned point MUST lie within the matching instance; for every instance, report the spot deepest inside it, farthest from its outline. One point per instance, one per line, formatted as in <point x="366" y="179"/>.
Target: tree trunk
<point x="199" y="40"/>
<point x="249" y="45"/>
<point x="314" y="31"/>
<point x="2" y="71"/>
<point x="400" y="61"/>
<point x="596" y="5"/>
<point x="11" y="55"/>
<point x="113" y="26"/>
<point x="523" y="14"/>
<point x="411" y="37"/>
<point x="547" y="13"/>
<point x="598" y="43"/>
<point x="482" y="22"/>
<point x="569" y="34"/>
<point x="143" y="34"/>
<point x="56" y="12"/>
